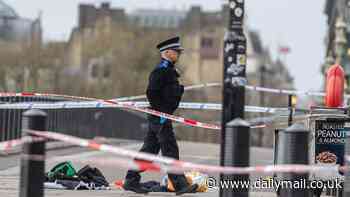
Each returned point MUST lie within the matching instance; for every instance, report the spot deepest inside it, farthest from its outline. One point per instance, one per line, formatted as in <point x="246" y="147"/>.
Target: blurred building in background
<point x="338" y="36"/>
<point x="20" y="40"/>
<point x="202" y="31"/>
<point x="111" y="52"/>
<point x="156" y="18"/>
<point x="96" y="47"/>
<point x="14" y="28"/>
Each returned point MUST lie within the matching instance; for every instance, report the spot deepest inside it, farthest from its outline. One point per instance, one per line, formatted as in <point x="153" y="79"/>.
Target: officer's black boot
<point x="188" y="189"/>
<point x="132" y="183"/>
<point x="181" y="185"/>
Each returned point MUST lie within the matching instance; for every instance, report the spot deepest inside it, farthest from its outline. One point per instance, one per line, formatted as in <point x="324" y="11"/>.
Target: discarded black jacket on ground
<point x="164" y="91"/>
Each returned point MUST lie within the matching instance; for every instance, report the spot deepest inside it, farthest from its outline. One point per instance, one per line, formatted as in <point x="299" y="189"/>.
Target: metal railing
<point x="81" y="122"/>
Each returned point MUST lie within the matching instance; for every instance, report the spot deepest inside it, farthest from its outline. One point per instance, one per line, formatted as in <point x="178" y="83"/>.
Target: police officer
<point x="164" y="93"/>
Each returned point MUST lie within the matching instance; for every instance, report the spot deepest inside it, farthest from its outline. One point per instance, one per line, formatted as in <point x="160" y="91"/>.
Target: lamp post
<point x="262" y="100"/>
<point x="234" y="136"/>
<point x="234" y="67"/>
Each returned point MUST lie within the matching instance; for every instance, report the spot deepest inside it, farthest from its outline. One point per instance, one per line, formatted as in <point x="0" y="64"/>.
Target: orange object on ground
<point x="334" y="86"/>
<point x="192" y="178"/>
<point x="119" y="183"/>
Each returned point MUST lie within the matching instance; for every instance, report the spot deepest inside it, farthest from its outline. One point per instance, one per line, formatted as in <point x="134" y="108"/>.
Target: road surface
<point x="194" y="152"/>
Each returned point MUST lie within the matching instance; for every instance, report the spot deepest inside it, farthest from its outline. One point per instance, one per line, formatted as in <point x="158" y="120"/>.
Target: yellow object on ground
<point x="192" y="178"/>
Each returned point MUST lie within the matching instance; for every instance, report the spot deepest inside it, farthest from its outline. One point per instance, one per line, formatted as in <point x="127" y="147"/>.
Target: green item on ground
<point x="65" y="169"/>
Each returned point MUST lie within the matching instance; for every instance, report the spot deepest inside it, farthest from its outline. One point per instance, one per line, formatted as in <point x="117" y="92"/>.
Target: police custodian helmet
<point x="172" y="43"/>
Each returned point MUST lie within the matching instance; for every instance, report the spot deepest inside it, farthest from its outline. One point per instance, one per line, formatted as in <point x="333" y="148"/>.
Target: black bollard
<point x="346" y="191"/>
<point x="33" y="156"/>
<point x="237" y="155"/>
<point x="293" y="149"/>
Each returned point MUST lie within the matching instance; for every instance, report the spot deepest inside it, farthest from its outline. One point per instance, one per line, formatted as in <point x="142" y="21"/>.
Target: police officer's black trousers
<point x="160" y="137"/>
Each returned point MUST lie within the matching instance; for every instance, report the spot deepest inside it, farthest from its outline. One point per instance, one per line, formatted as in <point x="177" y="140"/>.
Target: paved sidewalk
<point x="193" y="152"/>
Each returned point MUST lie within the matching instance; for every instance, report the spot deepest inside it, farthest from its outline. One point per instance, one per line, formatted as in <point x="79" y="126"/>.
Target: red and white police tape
<point x="155" y="163"/>
<point x="26" y="94"/>
<point x="32" y="94"/>
<point x="192" y="87"/>
<point x="284" y="91"/>
<point x="254" y="88"/>
<point x="216" y="106"/>
<point x="210" y="169"/>
<point x="139" y="106"/>
<point x="185" y="121"/>
<point x="8" y="145"/>
<point x="134" y="106"/>
<point x="249" y="87"/>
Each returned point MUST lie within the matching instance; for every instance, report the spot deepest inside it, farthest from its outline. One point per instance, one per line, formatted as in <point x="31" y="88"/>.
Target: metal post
<point x="54" y="119"/>
<point x="75" y="123"/>
<point x="234" y="78"/>
<point x="290" y="106"/>
<point x="293" y="149"/>
<point x="19" y="122"/>
<point x="66" y="121"/>
<point x="15" y="124"/>
<point x="262" y="102"/>
<point x="6" y="124"/>
<point x="10" y="124"/>
<point x="237" y="155"/>
<point x="33" y="156"/>
<point x="275" y="154"/>
<point x="275" y="146"/>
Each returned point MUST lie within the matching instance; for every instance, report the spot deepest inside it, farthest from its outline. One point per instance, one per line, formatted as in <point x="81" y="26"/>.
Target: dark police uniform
<point x="164" y="93"/>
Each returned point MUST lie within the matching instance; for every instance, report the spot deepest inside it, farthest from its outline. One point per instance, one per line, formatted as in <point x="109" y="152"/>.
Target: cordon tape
<point x="192" y="87"/>
<point x="8" y="145"/>
<point x="139" y="106"/>
<point x="185" y="121"/>
<point x="248" y="87"/>
<point x="152" y="162"/>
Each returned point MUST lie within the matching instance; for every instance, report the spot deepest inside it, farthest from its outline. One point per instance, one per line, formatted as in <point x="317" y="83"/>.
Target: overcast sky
<point x="299" y="24"/>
